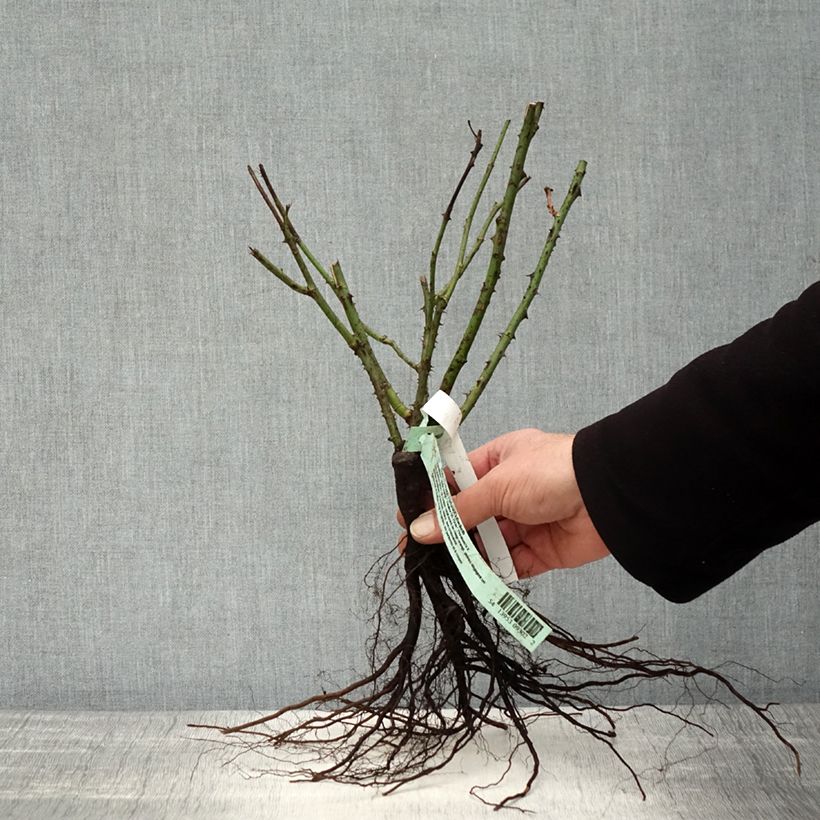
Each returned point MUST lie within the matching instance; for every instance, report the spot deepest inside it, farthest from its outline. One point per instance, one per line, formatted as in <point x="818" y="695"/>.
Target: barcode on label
<point x="519" y="613"/>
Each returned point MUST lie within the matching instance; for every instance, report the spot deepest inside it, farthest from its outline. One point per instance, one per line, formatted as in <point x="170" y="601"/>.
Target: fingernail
<point x="422" y="526"/>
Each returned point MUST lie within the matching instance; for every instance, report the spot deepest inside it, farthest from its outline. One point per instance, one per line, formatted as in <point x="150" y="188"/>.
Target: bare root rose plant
<point x="441" y="669"/>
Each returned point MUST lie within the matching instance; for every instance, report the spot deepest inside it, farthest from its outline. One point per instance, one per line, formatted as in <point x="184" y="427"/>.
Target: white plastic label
<point x="447" y="413"/>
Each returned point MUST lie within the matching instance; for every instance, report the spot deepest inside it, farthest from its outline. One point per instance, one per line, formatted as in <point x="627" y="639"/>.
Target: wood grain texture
<point x="149" y="764"/>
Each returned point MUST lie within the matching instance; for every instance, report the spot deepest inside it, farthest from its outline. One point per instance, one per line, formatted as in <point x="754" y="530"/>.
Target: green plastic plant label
<point x="494" y="595"/>
<point x="491" y="545"/>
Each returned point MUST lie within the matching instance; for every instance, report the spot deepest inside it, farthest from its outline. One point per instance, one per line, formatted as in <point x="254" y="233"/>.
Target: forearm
<point x="692" y="481"/>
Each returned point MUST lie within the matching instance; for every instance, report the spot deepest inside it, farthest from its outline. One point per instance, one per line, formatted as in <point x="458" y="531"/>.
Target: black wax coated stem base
<point x="454" y="672"/>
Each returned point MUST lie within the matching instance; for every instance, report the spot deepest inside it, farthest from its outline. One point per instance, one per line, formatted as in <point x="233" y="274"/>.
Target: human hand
<point x="527" y="480"/>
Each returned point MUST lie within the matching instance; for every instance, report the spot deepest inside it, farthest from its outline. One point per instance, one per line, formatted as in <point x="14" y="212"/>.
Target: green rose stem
<point x="532" y="289"/>
<point x="394" y="725"/>
<point x="502" y="227"/>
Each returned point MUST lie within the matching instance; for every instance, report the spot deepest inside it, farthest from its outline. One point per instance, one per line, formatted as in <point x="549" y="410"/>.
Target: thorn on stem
<point x="550" y="205"/>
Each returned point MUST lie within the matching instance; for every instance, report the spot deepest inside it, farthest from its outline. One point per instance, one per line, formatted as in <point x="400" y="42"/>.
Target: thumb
<point x="474" y="505"/>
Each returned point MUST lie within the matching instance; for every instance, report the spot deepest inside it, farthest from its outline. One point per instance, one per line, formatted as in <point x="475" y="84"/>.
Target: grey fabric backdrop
<point x="194" y="473"/>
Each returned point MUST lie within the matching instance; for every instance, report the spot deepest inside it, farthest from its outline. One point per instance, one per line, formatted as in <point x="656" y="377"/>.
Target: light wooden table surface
<point x="150" y="765"/>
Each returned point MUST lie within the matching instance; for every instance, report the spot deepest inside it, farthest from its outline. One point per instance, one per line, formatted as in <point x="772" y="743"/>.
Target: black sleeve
<point x="692" y="481"/>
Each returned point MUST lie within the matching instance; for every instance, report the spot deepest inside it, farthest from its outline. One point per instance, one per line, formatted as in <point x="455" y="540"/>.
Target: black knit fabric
<point x="692" y="481"/>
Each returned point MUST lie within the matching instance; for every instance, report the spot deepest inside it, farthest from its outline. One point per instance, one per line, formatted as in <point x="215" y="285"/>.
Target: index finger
<point x="489" y="455"/>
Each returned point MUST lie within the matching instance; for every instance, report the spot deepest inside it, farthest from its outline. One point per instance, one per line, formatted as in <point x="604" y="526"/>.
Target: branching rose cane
<point x="453" y="670"/>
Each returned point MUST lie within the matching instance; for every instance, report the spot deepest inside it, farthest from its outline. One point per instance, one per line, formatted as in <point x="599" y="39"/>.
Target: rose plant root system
<point x="425" y="700"/>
